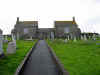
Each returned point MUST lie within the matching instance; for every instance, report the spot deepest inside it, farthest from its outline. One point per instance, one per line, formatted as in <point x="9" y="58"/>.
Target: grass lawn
<point x="10" y="62"/>
<point x="78" y="58"/>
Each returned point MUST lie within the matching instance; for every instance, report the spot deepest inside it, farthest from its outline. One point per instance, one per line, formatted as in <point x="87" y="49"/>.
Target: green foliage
<point x="10" y="62"/>
<point x="78" y="58"/>
<point x="9" y="38"/>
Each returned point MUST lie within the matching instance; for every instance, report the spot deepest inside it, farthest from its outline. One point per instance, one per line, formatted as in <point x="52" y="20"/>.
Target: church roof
<point x="63" y="22"/>
<point x="30" y="22"/>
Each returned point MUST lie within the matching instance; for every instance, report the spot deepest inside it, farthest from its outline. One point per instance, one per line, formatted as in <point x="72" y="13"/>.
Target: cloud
<point x="46" y="11"/>
<point x="97" y="1"/>
<point x="94" y="20"/>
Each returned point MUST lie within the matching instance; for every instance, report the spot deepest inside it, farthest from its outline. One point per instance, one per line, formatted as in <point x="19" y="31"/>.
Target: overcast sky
<point x="86" y="12"/>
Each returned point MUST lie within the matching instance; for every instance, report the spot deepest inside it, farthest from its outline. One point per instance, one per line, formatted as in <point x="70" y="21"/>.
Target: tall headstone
<point x="1" y="42"/>
<point x="68" y="37"/>
<point x="31" y="38"/>
<point x="52" y="35"/>
<point x="14" y="39"/>
<point x="12" y="46"/>
<point x="17" y="36"/>
<point x="94" y="36"/>
<point x="85" y="38"/>
<point x="75" y="39"/>
<point x="82" y="37"/>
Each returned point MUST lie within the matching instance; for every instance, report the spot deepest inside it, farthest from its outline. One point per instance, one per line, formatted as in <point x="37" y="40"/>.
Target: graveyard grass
<point x="78" y="58"/>
<point x="9" y="63"/>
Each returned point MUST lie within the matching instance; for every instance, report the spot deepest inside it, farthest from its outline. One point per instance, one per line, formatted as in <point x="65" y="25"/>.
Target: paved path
<point x="40" y="62"/>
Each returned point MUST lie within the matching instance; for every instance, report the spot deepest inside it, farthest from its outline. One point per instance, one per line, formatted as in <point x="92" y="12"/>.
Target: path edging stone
<point x="60" y="66"/>
<point x="21" y="66"/>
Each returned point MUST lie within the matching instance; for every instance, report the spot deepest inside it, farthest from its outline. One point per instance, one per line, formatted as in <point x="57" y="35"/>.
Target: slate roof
<point x="30" y="22"/>
<point x="64" y="23"/>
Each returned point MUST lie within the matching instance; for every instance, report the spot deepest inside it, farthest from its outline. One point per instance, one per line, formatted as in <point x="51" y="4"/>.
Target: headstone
<point x="85" y="38"/>
<point x="81" y="37"/>
<point x="68" y="37"/>
<point x="65" y="41"/>
<point x="89" y="37"/>
<point x="1" y="44"/>
<point x="75" y="39"/>
<point x="94" y="37"/>
<point x="17" y="36"/>
<point x="14" y="39"/>
<point x="52" y="35"/>
<point x="31" y="38"/>
<point x="11" y="48"/>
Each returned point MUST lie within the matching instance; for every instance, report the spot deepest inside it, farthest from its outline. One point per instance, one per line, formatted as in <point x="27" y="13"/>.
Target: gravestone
<point x="75" y="39"/>
<point x="68" y="37"/>
<point x="89" y="37"/>
<point x="85" y="38"/>
<point x="94" y="37"/>
<point x="1" y="43"/>
<point x="17" y="36"/>
<point x="52" y="35"/>
<point x="14" y="39"/>
<point x="65" y="41"/>
<point x="81" y="37"/>
<point x="31" y="38"/>
<point x="12" y="46"/>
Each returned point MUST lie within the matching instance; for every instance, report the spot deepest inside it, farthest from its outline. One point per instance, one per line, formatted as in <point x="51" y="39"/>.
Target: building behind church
<point x="30" y="30"/>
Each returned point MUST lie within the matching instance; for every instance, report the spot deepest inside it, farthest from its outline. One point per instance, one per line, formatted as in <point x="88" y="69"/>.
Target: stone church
<point x="25" y="29"/>
<point x="67" y="28"/>
<point x="30" y="30"/>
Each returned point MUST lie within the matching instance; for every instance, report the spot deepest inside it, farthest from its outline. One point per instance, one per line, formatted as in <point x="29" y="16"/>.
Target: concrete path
<point x="40" y="62"/>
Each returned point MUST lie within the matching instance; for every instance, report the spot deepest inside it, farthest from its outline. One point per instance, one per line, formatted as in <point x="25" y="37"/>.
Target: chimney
<point x="73" y="19"/>
<point x="17" y="20"/>
<point x="74" y="22"/>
